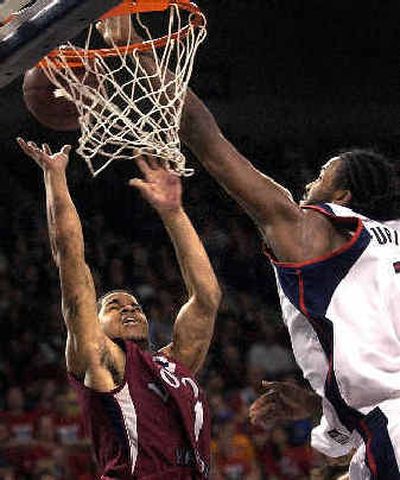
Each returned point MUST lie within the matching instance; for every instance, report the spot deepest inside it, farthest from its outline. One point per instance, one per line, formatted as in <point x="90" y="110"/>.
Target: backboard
<point x="31" y="29"/>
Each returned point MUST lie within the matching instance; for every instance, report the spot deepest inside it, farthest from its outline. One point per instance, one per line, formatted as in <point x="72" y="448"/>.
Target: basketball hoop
<point x="135" y="105"/>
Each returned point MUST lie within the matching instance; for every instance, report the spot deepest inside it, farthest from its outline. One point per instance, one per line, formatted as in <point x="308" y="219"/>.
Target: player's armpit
<point x="98" y="364"/>
<point x="193" y="331"/>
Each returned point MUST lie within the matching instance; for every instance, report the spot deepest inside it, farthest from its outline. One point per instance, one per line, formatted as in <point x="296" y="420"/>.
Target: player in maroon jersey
<point x="144" y="412"/>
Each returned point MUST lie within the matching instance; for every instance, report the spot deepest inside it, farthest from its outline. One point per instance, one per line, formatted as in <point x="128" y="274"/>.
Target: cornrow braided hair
<point x="374" y="183"/>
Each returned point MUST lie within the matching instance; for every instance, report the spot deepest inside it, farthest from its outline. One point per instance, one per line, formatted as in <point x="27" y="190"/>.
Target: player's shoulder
<point x="326" y="209"/>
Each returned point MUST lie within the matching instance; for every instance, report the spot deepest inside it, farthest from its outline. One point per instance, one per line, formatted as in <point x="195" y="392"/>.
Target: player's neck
<point x="142" y="343"/>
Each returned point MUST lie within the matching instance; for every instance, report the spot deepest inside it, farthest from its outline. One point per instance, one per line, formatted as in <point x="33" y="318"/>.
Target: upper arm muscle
<point x="80" y="314"/>
<point x="309" y="236"/>
<point x="192" y="335"/>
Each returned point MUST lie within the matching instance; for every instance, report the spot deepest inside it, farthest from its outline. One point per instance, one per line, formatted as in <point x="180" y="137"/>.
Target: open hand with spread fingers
<point x="44" y="156"/>
<point x="282" y="401"/>
<point x="118" y="31"/>
<point x="161" y="188"/>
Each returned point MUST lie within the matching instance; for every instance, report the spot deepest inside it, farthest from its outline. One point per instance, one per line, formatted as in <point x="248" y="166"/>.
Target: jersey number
<point x="167" y="373"/>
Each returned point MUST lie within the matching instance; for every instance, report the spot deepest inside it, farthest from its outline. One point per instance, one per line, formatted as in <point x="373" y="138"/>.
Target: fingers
<point x="268" y="384"/>
<point x="65" y="150"/>
<point x="153" y="163"/>
<point x="265" y="416"/>
<point x="100" y="26"/>
<point x="143" y="166"/>
<point x="283" y="388"/>
<point x="117" y="30"/>
<point x="46" y="149"/>
<point x="21" y="142"/>
<point x="148" y="165"/>
<point x="43" y="156"/>
<point x="30" y="148"/>
<point x="138" y="183"/>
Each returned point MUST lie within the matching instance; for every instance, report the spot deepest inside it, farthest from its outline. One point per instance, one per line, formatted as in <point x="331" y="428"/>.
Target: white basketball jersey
<point x="343" y="315"/>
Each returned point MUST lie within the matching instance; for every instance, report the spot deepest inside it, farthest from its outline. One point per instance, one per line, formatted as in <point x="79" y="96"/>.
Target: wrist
<point x="54" y="172"/>
<point x="171" y="214"/>
<point x="51" y="175"/>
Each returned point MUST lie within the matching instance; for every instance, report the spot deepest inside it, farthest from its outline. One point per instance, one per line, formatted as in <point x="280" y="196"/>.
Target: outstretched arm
<point x="291" y="233"/>
<point x="66" y="239"/>
<point x="194" y="325"/>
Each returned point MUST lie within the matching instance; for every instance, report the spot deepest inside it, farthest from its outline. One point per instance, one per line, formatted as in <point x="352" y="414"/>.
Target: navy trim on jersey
<point x="320" y="279"/>
<point x="380" y="456"/>
<point x="321" y="206"/>
<point x="310" y="288"/>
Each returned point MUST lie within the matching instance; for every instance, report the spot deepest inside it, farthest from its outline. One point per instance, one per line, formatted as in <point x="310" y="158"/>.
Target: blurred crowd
<point x="41" y="434"/>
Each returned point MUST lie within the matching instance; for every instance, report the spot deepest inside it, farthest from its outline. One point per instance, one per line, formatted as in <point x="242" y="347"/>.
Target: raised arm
<point x="194" y="325"/>
<point x="66" y="239"/>
<point x="265" y="200"/>
<point x="292" y="233"/>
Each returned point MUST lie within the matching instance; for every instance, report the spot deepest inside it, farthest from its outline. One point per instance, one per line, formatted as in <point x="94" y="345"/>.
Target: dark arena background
<point x="290" y="82"/>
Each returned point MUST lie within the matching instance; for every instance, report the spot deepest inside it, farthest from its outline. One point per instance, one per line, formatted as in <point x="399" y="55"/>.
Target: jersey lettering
<point x="384" y="235"/>
<point x="169" y="378"/>
<point x="167" y="373"/>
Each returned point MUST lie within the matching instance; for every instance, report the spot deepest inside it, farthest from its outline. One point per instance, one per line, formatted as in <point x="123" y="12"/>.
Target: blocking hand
<point x="161" y="188"/>
<point x="118" y="31"/>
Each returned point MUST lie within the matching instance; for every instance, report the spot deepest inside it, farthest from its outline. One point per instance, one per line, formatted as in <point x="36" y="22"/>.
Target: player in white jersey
<point x="338" y="276"/>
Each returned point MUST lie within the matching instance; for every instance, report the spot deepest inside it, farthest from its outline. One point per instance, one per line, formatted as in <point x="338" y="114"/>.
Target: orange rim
<point x="73" y="58"/>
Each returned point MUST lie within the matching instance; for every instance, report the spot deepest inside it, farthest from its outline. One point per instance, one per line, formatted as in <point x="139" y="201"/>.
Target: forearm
<point x="195" y="266"/>
<point x="194" y="325"/>
<point x="65" y="231"/>
<point x="264" y="199"/>
<point x="66" y="238"/>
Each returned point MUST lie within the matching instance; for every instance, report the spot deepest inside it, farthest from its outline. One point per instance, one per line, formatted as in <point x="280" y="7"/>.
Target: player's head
<point x="121" y="317"/>
<point x="363" y="180"/>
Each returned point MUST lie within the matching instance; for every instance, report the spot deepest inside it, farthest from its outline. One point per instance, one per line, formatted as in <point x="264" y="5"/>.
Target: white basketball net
<point x="125" y="110"/>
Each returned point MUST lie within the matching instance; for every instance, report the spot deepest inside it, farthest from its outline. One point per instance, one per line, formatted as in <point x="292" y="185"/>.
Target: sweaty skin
<point x="92" y="353"/>
<point x="293" y="234"/>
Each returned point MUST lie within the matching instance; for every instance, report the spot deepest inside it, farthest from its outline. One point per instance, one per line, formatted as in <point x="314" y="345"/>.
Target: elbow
<point x="217" y="297"/>
<point x="210" y="300"/>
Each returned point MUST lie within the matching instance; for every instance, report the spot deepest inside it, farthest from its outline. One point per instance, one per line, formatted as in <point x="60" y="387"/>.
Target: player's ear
<point x="342" y="197"/>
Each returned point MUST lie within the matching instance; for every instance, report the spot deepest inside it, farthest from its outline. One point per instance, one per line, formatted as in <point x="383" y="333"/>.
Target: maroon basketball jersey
<point x="156" y="426"/>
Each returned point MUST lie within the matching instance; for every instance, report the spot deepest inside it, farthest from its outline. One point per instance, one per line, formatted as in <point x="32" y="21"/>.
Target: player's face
<point x="121" y="317"/>
<point x="323" y="188"/>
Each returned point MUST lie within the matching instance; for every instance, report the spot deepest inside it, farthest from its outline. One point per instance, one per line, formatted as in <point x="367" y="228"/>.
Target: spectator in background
<point x="7" y="472"/>
<point x="268" y="355"/>
<point x="278" y="458"/>
<point x="68" y="423"/>
<point x="233" y="455"/>
<point x="16" y="416"/>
